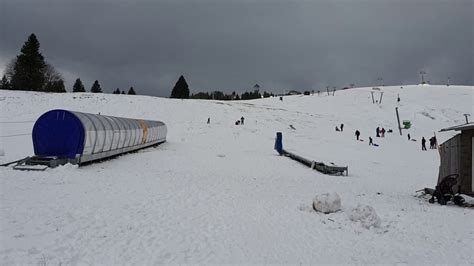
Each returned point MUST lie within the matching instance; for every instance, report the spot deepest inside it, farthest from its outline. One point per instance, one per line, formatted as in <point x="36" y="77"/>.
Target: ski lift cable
<point x="15" y="135"/>
<point x="15" y="122"/>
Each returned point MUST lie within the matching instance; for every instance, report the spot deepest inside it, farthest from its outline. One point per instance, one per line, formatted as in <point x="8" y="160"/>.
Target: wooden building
<point x="457" y="157"/>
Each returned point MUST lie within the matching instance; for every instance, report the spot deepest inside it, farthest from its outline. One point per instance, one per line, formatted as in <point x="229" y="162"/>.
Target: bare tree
<point x="50" y="74"/>
<point x="10" y="69"/>
<point x="53" y="80"/>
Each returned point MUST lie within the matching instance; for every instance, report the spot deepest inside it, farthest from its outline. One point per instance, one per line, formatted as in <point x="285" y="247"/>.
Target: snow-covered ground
<point x="219" y="193"/>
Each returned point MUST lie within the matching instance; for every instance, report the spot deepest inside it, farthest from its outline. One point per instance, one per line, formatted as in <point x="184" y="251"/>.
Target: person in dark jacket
<point x="370" y="141"/>
<point x="377" y="131"/>
<point x="342" y="127"/>
<point x="423" y="144"/>
<point x="382" y="132"/>
<point x="357" y="133"/>
<point x="409" y="138"/>
<point x="242" y="120"/>
<point x="208" y="120"/>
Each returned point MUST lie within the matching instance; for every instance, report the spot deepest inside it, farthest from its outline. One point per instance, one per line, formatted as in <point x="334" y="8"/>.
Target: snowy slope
<point x="219" y="193"/>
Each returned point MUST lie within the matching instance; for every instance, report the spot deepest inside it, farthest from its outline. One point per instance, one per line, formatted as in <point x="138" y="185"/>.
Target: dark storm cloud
<point x="231" y="45"/>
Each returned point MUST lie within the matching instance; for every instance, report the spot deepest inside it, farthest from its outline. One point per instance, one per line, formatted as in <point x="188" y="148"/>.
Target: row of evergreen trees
<point x="29" y="71"/>
<point x="219" y="95"/>
<point x="181" y="90"/>
<point x="79" y="87"/>
<point x="131" y="91"/>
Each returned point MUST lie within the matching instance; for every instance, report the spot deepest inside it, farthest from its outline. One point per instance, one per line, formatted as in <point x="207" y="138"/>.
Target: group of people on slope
<point x="238" y="122"/>
<point x="433" y="143"/>
<point x="378" y="133"/>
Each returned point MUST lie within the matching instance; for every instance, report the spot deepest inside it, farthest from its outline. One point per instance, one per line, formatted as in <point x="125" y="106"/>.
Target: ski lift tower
<point x="380" y="80"/>
<point x="422" y="73"/>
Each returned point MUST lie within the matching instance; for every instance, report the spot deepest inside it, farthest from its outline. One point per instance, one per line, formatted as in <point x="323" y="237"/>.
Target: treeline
<point x="29" y="71"/>
<point x="181" y="90"/>
<point x="219" y="95"/>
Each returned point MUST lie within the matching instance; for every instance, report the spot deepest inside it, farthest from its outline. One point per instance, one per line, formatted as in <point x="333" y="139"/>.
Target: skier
<point x="370" y="141"/>
<point x="377" y="131"/>
<point x="398" y="99"/>
<point x="423" y="144"/>
<point x="409" y="136"/>
<point x="242" y="120"/>
<point x="208" y="120"/>
<point x="357" y="133"/>
<point x="382" y="132"/>
<point x="342" y="127"/>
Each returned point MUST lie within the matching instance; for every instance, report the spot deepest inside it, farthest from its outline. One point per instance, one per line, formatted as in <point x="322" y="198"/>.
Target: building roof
<point x="467" y="126"/>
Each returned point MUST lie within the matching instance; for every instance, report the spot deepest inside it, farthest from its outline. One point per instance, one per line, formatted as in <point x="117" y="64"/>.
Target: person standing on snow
<point x="357" y="133"/>
<point x="242" y="120"/>
<point x="382" y="132"/>
<point x="377" y="131"/>
<point x="423" y="144"/>
<point x="370" y="141"/>
<point x="342" y="127"/>
<point x="409" y="138"/>
<point x="208" y="120"/>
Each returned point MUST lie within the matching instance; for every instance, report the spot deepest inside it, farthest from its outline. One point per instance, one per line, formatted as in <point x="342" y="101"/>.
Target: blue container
<point x="279" y="143"/>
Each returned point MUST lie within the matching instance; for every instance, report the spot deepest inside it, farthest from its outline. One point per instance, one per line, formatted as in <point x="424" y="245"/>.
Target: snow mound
<point x="327" y="202"/>
<point x="366" y="215"/>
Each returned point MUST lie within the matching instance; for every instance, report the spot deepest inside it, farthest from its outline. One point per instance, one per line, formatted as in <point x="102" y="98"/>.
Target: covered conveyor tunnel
<point x="84" y="137"/>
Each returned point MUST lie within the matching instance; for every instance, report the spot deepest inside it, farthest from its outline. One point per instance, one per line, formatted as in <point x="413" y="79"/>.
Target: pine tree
<point x="78" y="86"/>
<point x="5" y="84"/>
<point x="181" y="89"/>
<point x="28" y="69"/>
<point x="131" y="91"/>
<point x="96" y="87"/>
<point x="123" y="92"/>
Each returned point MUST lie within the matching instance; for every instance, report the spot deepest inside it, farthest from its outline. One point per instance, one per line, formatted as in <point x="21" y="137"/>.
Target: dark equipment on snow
<point x="319" y="166"/>
<point x="444" y="191"/>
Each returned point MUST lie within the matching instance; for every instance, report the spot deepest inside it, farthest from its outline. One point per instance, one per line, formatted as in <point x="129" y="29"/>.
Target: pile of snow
<point x="366" y="215"/>
<point x="327" y="202"/>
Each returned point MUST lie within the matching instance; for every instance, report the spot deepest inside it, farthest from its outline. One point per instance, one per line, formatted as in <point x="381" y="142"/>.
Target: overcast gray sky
<point x="232" y="45"/>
